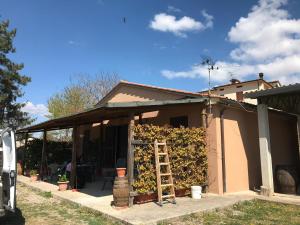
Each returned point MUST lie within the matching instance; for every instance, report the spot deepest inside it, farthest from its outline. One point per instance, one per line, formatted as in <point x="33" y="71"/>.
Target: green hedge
<point x="187" y="152"/>
<point x="57" y="152"/>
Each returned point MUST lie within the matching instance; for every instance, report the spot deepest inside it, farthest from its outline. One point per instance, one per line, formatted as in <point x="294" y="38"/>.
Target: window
<point x="179" y="121"/>
<point x="221" y="89"/>
<point x="239" y="86"/>
<point x="239" y="96"/>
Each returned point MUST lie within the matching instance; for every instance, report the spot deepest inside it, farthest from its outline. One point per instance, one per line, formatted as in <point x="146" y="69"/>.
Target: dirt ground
<point x="40" y="208"/>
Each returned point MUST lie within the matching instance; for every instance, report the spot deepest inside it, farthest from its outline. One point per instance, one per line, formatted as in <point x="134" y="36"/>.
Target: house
<point x="236" y="89"/>
<point x="234" y="157"/>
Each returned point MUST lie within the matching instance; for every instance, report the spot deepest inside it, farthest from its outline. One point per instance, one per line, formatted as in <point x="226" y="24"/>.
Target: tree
<point x="80" y="95"/>
<point x="96" y="87"/>
<point x="11" y="81"/>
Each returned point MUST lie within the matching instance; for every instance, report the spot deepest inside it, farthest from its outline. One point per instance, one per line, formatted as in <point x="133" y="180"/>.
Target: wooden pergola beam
<point x="74" y="157"/>
<point x="298" y="133"/>
<point x="130" y="158"/>
<point x="43" y="154"/>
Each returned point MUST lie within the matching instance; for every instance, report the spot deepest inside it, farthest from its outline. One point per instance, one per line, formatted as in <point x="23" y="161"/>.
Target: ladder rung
<point x="165" y="174"/>
<point x="162" y="143"/>
<point x="163" y="164"/>
<point x="166" y="185"/>
<point x="168" y="196"/>
<point x="162" y="153"/>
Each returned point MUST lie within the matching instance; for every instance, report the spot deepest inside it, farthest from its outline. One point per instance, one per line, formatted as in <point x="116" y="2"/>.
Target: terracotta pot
<point x="144" y="198"/>
<point x="63" y="186"/>
<point x="19" y="169"/>
<point x="182" y="192"/>
<point x="34" y="178"/>
<point x="121" y="172"/>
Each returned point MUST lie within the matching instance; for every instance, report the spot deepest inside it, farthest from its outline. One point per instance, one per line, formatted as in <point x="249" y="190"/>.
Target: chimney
<point x="261" y="76"/>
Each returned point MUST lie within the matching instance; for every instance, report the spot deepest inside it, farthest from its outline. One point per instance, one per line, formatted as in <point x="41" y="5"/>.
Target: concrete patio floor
<point x="149" y="213"/>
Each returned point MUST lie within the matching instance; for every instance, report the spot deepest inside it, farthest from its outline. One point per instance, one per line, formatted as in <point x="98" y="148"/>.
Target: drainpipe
<point x="223" y="149"/>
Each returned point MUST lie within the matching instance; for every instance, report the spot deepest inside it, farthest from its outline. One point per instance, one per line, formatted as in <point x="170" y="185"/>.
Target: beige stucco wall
<point x="230" y="91"/>
<point x="162" y="117"/>
<point x="130" y="94"/>
<point x="242" y="148"/>
<point x="214" y="155"/>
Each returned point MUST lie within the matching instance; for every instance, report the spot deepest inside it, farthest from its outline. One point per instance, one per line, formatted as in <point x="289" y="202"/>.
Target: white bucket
<point x="196" y="192"/>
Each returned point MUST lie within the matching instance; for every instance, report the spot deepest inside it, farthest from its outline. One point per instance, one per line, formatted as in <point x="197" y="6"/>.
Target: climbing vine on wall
<point x="187" y="152"/>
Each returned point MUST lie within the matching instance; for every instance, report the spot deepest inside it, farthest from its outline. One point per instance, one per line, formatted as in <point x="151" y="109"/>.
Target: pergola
<point x="287" y="99"/>
<point x="104" y="112"/>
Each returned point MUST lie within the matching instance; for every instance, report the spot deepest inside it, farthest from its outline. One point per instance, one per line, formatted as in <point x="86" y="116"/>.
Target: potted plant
<point x="121" y="167"/>
<point x="121" y="172"/>
<point x="33" y="175"/>
<point x="63" y="182"/>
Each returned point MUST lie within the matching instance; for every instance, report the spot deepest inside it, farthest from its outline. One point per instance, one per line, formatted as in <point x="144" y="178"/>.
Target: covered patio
<point x="286" y="99"/>
<point x="116" y="121"/>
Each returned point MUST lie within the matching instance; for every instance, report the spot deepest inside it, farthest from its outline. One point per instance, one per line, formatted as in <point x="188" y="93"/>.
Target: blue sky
<point x="161" y="43"/>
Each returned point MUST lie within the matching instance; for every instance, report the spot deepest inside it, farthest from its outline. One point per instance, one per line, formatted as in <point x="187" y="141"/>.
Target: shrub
<point x="33" y="173"/>
<point x="187" y="152"/>
<point x="57" y="152"/>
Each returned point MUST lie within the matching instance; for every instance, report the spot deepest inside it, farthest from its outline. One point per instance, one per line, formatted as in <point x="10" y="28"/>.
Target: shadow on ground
<point x="13" y="218"/>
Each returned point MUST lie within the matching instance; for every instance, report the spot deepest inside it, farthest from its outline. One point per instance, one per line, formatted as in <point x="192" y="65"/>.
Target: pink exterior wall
<point x="130" y="94"/>
<point x="214" y="155"/>
<point x="162" y="117"/>
<point x="242" y="148"/>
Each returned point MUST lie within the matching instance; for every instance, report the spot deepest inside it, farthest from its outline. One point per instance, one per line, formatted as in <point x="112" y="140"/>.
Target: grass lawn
<point x="246" y="213"/>
<point x="40" y="208"/>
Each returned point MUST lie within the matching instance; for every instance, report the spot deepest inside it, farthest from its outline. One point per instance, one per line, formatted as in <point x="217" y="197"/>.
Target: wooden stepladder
<point x="165" y="185"/>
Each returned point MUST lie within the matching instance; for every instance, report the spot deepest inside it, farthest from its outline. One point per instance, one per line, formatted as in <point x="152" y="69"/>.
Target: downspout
<point x="223" y="149"/>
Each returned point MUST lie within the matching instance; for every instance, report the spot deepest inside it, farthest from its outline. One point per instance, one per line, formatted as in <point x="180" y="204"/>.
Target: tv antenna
<point x="231" y="74"/>
<point x="211" y="65"/>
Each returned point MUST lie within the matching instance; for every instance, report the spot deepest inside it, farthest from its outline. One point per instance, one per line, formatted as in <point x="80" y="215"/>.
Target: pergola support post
<point x="267" y="187"/>
<point x="130" y="159"/>
<point x="25" y="149"/>
<point x="43" y="155"/>
<point x="298" y="132"/>
<point x="74" y="157"/>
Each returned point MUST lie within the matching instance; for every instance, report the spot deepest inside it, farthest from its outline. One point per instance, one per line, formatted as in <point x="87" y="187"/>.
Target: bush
<point x="33" y="173"/>
<point x="187" y="152"/>
<point x="57" y="152"/>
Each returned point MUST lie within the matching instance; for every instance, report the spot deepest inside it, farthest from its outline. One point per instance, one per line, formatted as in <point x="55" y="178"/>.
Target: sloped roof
<point x="286" y="98"/>
<point x="292" y="88"/>
<point x="151" y="87"/>
<point x="243" y="82"/>
<point x="107" y="111"/>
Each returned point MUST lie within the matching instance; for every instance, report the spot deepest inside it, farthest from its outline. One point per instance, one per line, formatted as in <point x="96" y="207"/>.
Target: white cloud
<point x="208" y="19"/>
<point x="266" y="33"/>
<point x="39" y="110"/>
<point x="168" y="23"/>
<point x="173" y="9"/>
<point x="268" y="41"/>
<point x="219" y="75"/>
